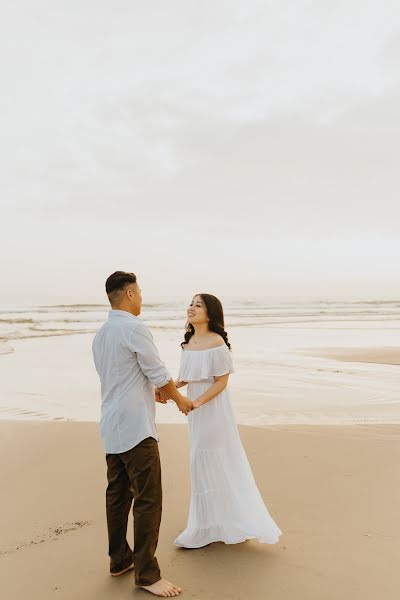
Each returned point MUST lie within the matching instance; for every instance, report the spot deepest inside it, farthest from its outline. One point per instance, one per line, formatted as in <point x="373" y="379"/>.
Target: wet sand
<point x="381" y="356"/>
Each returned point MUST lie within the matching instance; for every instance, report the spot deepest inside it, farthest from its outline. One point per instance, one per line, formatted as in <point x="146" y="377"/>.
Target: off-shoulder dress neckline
<point x="206" y="349"/>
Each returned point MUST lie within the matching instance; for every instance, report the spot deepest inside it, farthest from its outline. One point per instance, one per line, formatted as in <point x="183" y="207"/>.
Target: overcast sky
<point x="248" y="149"/>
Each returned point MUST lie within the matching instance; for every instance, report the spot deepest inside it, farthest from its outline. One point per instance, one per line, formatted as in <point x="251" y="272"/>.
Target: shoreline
<point x="285" y="386"/>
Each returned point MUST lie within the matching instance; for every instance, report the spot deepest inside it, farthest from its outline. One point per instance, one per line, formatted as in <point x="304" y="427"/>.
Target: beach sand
<point x="333" y="490"/>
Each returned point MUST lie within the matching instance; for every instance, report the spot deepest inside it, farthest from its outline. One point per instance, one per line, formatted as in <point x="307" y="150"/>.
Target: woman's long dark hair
<point x="216" y="315"/>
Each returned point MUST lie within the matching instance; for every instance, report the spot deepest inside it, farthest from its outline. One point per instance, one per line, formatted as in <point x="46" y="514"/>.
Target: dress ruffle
<point x="200" y="365"/>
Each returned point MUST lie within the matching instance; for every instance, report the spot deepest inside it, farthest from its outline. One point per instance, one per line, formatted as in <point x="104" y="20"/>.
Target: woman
<point x="225" y="505"/>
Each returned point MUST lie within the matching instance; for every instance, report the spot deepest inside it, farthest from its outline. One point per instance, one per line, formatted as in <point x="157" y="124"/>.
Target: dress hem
<point x="261" y="539"/>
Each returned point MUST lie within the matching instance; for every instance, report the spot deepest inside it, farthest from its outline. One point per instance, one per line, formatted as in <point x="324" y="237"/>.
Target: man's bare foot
<point x="163" y="588"/>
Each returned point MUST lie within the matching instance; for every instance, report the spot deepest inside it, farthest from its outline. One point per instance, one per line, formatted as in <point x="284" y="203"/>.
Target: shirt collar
<point x="120" y="313"/>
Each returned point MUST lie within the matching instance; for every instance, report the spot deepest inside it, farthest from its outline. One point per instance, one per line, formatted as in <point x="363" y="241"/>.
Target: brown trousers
<point x="135" y="475"/>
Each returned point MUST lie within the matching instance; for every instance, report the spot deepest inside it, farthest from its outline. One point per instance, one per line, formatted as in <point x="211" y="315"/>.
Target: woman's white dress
<point x="225" y="504"/>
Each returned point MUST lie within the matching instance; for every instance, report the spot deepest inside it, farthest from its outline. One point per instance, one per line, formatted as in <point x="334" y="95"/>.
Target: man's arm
<point x="141" y="342"/>
<point x="164" y="398"/>
<point x="170" y="391"/>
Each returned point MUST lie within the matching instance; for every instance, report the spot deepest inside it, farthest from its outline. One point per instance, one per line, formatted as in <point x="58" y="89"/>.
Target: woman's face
<point x="197" y="312"/>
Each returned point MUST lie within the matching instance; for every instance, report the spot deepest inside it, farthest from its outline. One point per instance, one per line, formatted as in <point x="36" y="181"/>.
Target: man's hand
<point x="169" y="390"/>
<point x="185" y="405"/>
<point x="158" y="397"/>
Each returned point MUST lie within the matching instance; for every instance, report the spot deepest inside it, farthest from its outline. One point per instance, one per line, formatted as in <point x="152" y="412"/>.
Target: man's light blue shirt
<point x="129" y="367"/>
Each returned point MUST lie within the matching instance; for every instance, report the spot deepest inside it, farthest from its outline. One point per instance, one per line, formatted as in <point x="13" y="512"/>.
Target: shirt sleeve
<point x="141" y="342"/>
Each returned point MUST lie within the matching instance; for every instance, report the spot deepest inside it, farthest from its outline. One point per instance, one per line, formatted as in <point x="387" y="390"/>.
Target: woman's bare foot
<point x="163" y="588"/>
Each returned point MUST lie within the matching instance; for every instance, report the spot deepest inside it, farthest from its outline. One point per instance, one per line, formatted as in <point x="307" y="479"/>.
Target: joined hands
<point x="184" y="404"/>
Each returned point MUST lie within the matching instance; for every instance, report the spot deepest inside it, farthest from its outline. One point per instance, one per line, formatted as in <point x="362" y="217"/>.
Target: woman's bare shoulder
<point x="216" y="340"/>
<point x="211" y="341"/>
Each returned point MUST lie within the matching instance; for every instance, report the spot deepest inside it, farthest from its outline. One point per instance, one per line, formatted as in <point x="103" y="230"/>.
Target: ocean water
<point x="46" y="369"/>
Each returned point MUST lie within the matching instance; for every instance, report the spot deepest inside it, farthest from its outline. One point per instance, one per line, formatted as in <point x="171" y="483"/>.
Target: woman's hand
<point x="196" y="403"/>
<point x="179" y="384"/>
<point x="184" y="405"/>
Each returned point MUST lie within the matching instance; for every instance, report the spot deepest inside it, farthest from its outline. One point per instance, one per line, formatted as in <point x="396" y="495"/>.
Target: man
<point x="128" y="364"/>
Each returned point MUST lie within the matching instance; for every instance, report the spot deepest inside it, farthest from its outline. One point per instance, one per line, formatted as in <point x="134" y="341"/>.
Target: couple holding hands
<point x="225" y="504"/>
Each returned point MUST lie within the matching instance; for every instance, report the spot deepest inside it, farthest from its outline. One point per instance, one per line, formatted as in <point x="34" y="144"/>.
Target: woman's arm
<point x="217" y="387"/>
